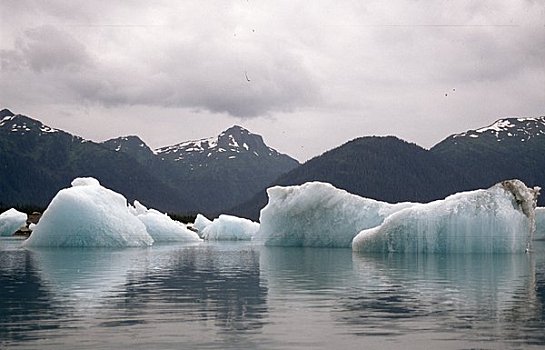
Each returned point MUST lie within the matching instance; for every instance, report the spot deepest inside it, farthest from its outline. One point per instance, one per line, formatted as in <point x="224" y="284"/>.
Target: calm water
<point x="242" y="296"/>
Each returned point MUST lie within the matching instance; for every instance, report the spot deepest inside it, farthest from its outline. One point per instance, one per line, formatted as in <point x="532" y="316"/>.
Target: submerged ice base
<point x="317" y="214"/>
<point x="500" y="219"/>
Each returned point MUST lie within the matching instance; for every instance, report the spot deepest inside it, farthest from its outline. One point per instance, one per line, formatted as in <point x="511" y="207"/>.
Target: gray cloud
<point x="346" y="68"/>
<point x="164" y="65"/>
<point x="47" y="48"/>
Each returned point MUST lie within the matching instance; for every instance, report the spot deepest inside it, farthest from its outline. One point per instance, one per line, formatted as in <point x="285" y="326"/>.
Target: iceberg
<point x="89" y="215"/>
<point x="10" y="221"/>
<point x="317" y="214"/>
<point x="230" y="228"/>
<point x="540" y="223"/>
<point x="201" y="222"/>
<point x="161" y="227"/>
<point x="495" y="220"/>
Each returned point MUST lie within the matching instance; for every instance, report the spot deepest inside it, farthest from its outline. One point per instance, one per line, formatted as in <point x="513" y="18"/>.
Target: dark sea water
<point x="241" y="296"/>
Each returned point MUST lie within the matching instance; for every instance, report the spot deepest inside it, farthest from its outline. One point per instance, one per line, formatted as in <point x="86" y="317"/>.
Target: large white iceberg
<point x="317" y="214"/>
<point x="10" y="221"/>
<point x="540" y="223"/>
<point x="89" y="215"/>
<point x="230" y="228"/>
<point x="161" y="227"/>
<point x="496" y="220"/>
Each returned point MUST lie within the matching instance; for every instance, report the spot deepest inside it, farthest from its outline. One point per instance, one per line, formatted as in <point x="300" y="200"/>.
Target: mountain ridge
<point x="506" y="149"/>
<point x="38" y="160"/>
<point x="232" y="169"/>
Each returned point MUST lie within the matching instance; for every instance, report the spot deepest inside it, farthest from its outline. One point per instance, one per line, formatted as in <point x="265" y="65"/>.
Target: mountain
<point x="132" y="146"/>
<point x="508" y="148"/>
<point x="206" y="176"/>
<point x="36" y="161"/>
<point x="215" y="173"/>
<point x="383" y="168"/>
<point x="212" y="174"/>
<point x="392" y="170"/>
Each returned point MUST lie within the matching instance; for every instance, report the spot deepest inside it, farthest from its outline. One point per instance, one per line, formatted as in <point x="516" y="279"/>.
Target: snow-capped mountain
<point x="235" y="142"/>
<point x="37" y="160"/>
<point x="133" y="146"/>
<point x="215" y="172"/>
<point x="17" y="124"/>
<point x="206" y="176"/>
<point x="507" y="149"/>
<point x="511" y="129"/>
<point x="392" y="170"/>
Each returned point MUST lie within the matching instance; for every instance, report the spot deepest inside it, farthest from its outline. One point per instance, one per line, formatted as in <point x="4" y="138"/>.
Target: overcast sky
<point x="307" y="75"/>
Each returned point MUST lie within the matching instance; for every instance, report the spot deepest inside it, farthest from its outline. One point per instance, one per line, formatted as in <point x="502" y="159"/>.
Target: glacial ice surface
<point x="230" y="228"/>
<point x="89" y="215"/>
<point x="317" y="214"/>
<point x="10" y="221"/>
<point x="494" y="220"/>
<point x="201" y="222"/>
<point x="161" y="227"/>
<point x="540" y="223"/>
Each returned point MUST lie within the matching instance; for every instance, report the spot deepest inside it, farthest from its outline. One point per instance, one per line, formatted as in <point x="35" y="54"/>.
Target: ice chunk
<point x="201" y="222"/>
<point x="317" y="214"/>
<point x="161" y="227"/>
<point x="230" y="228"/>
<point x="89" y="215"/>
<point x="495" y="220"/>
<point x="540" y="223"/>
<point x="85" y="181"/>
<point x="10" y="221"/>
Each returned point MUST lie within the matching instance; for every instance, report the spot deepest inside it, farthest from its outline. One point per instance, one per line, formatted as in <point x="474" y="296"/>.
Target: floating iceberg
<point x="10" y="221"/>
<point x="161" y="227"/>
<point x="540" y="223"/>
<point x="318" y="215"/>
<point x="230" y="228"/>
<point x="496" y="220"/>
<point x="89" y="215"/>
<point x="201" y="222"/>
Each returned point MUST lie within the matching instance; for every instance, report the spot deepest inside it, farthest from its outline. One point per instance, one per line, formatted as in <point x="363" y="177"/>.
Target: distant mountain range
<point x="392" y="170"/>
<point x="206" y="176"/>
<point x="234" y="169"/>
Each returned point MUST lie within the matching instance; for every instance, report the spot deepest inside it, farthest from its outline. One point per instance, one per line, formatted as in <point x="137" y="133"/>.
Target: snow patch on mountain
<point x="227" y="145"/>
<point x="521" y="128"/>
<point x="23" y="125"/>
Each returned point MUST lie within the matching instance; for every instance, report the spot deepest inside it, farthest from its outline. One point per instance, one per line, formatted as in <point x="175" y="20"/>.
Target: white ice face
<point x="10" y="221"/>
<point x="540" y="223"/>
<point x="318" y="215"/>
<point x="201" y="222"/>
<point x="496" y="220"/>
<point x="89" y="215"/>
<point x="161" y="227"/>
<point x="230" y="228"/>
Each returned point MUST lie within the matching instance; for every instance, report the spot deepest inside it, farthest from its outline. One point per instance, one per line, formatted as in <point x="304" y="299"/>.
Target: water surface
<point x="241" y="296"/>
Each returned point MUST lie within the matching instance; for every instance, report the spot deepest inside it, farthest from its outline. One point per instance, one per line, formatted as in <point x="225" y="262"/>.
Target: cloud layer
<point x="362" y="67"/>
